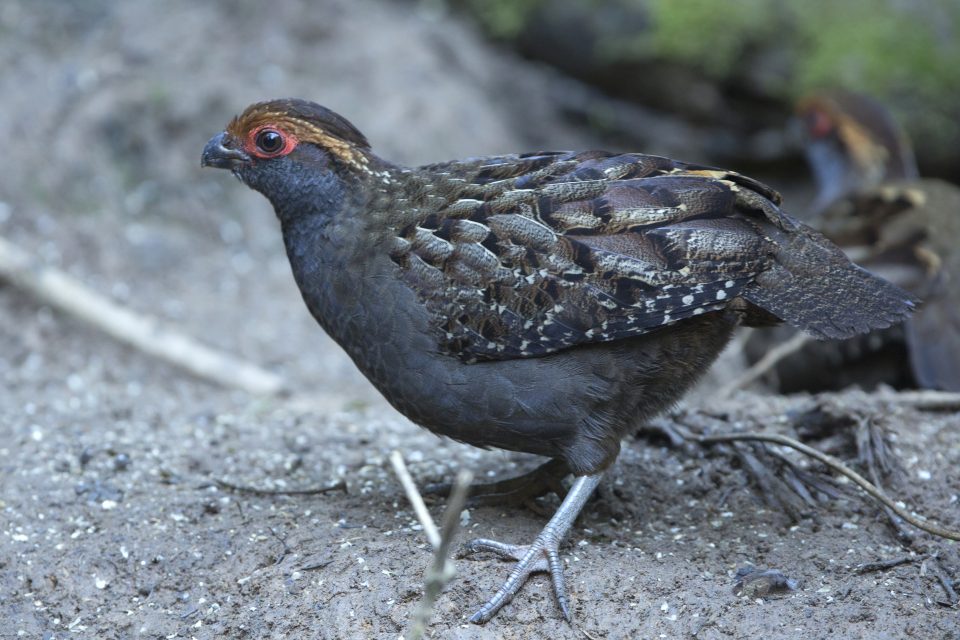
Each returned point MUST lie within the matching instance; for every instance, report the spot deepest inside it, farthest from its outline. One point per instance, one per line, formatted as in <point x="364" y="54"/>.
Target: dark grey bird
<point x="540" y="302"/>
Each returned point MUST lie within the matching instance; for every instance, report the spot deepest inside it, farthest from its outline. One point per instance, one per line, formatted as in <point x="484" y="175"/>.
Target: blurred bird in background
<point x="872" y="202"/>
<point x="852" y="143"/>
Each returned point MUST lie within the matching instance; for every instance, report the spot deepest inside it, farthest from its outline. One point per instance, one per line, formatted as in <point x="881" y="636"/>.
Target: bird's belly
<point x="508" y="404"/>
<point x="575" y="405"/>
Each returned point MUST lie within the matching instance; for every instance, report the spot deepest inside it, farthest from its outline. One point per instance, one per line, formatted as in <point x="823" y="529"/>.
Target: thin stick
<point x="764" y="364"/>
<point x="441" y="570"/>
<point x="67" y="294"/>
<point x="223" y="484"/>
<point x="944" y="580"/>
<point x="837" y="466"/>
<point x="926" y="400"/>
<point x="416" y="500"/>
<point x="883" y="565"/>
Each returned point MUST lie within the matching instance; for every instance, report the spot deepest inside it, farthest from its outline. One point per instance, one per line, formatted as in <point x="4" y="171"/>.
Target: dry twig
<point x="441" y="570"/>
<point x="929" y="564"/>
<point x="67" y="294"/>
<point x="933" y="564"/>
<point x="925" y="399"/>
<point x="831" y="462"/>
<point x="883" y="565"/>
<point x="416" y="500"/>
<point x="764" y="364"/>
<point x="337" y="486"/>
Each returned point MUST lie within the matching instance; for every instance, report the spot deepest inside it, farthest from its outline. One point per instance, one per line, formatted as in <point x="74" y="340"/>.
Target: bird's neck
<point x="338" y="247"/>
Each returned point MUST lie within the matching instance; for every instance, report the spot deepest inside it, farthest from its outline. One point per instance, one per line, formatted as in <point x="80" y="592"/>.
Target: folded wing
<point x="532" y="254"/>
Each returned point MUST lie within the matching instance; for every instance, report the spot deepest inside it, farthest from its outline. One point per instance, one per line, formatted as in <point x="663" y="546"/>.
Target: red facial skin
<point x="819" y="124"/>
<point x="289" y="143"/>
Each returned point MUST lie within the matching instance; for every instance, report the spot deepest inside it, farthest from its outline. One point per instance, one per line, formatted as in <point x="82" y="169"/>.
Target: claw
<point x="542" y="555"/>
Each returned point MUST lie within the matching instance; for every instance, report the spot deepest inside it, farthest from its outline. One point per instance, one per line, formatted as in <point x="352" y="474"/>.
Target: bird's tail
<point x="816" y="288"/>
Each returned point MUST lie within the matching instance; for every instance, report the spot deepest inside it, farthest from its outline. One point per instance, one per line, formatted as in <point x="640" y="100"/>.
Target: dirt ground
<point x="112" y="522"/>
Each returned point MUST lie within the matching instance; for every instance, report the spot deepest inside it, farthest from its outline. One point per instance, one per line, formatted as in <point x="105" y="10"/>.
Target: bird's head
<point x="852" y="142"/>
<point x="288" y="148"/>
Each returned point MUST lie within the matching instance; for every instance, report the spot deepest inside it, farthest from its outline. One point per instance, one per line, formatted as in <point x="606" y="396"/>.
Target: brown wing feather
<point x="527" y="255"/>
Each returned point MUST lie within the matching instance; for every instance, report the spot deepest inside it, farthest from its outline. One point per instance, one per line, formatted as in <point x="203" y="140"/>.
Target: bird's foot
<point x="516" y="491"/>
<point x="542" y="555"/>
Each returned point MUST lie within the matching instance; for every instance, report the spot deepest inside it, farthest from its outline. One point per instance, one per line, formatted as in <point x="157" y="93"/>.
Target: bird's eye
<point x="819" y="124"/>
<point x="269" y="141"/>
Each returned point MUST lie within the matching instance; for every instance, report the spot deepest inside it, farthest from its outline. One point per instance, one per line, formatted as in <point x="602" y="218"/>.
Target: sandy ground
<point x="112" y="524"/>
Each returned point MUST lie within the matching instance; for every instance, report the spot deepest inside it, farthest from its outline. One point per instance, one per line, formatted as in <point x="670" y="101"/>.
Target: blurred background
<point x="732" y="71"/>
<point x="106" y="107"/>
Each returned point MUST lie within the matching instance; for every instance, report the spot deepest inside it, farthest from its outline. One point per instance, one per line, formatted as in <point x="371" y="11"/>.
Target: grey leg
<point x="542" y="555"/>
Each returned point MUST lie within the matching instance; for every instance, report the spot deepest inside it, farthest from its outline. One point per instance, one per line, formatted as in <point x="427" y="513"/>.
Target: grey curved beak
<point x="218" y="153"/>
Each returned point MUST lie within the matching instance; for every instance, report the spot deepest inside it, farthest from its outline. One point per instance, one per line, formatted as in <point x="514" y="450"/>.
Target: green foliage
<point x="878" y="46"/>
<point x="906" y="53"/>
<point x="502" y="18"/>
<point x="708" y="34"/>
<point x="874" y="45"/>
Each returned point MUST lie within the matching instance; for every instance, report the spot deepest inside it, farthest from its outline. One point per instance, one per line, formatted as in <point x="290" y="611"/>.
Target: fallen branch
<point x="441" y="570"/>
<point x="70" y="296"/>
